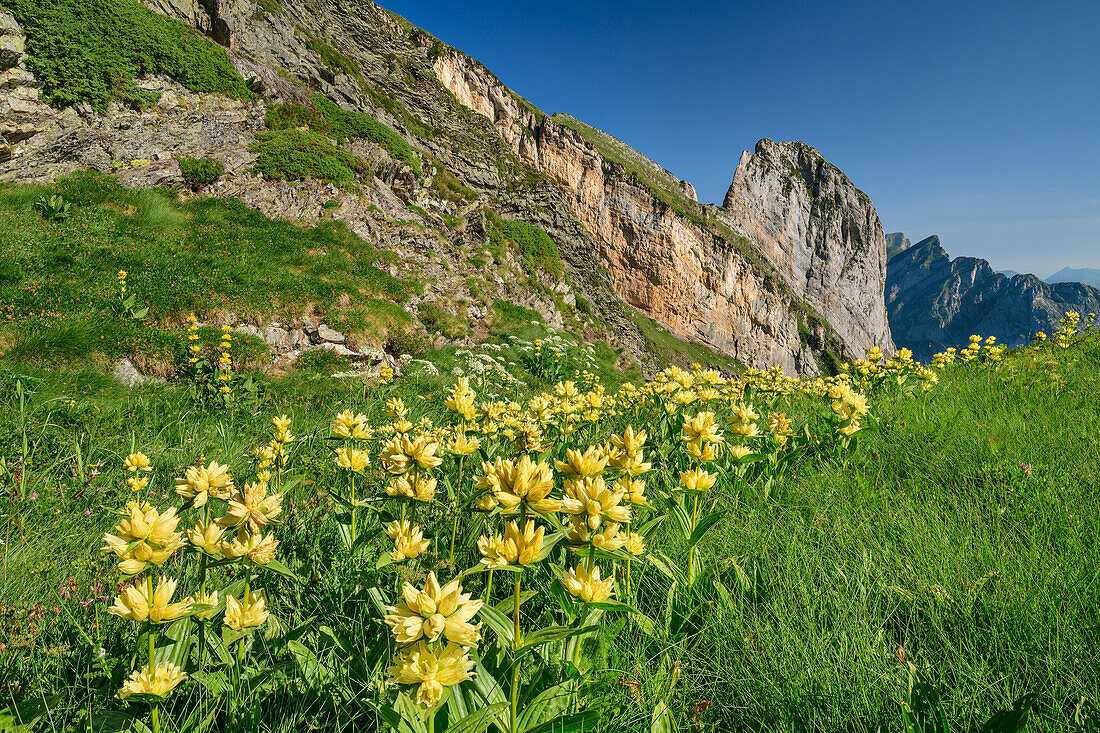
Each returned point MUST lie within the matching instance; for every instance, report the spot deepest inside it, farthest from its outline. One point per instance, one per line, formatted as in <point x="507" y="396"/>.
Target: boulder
<point x="330" y="335"/>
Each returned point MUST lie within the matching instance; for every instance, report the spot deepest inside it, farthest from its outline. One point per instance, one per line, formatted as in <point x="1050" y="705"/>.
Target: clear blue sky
<point x="977" y="121"/>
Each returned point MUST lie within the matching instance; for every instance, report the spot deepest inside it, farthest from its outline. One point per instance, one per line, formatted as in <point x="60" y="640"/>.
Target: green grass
<point x="296" y="155"/>
<point x="670" y="349"/>
<point x="935" y="539"/>
<point x="327" y="118"/>
<point x="534" y="245"/>
<point x="92" y="50"/>
<point x="58" y="278"/>
<point x="435" y="318"/>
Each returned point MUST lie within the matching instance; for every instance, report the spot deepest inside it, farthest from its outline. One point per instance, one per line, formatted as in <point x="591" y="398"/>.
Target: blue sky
<point x="977" y="121"/>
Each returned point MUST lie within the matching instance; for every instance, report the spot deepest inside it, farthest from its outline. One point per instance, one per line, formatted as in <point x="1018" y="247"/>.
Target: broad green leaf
<point x="1011" y="721"/>
<point x="547" y="705"/>
<point x="551" y="633"/>
<point x="479" y="721"/>
<point x="503" y="626"/>
<point x="174" y="644"/>
<point x="683" y="521"/>
<point x="701" y="528"/>
<point x="390" y="717"/>
<point x="21" y="718"/>
<point x="281" y="569"/>
<point x="581" y="722"/>
<point x="662" y="721"/>
<point x="612" y="605"/>
<point x="506" y="606"/>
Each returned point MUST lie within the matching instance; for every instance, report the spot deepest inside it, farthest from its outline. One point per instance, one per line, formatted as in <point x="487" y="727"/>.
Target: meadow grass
<point x="960" y="535"/>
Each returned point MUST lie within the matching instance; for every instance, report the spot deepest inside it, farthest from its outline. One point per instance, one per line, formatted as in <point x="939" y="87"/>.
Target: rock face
<point x="820" y="231"/>
<point x="935" y="302"/>
<point x="698" y="269"/>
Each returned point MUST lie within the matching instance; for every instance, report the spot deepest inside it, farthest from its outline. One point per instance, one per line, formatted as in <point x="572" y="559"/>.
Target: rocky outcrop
<point x="935" y="302"/>
<point x="698" y="269"/>
<point x="820" y="231"/>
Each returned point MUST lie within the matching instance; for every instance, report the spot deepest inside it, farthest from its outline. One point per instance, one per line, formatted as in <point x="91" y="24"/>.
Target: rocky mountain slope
<point x="789" y="271"/>
<point x="935" y="301"/>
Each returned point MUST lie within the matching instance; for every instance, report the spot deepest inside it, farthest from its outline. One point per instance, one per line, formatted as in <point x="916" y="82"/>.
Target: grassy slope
<point x="58" y="278"/>
<point x="933" y="538"/>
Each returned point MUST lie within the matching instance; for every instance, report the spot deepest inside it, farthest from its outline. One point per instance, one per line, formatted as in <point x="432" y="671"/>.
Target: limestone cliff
<point x="807" y="277"/>
<point x="820" y="231"/>
<point x="936" y="302"/>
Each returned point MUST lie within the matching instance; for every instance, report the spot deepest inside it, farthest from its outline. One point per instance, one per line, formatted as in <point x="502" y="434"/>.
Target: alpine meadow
<point x="344" y="389"/>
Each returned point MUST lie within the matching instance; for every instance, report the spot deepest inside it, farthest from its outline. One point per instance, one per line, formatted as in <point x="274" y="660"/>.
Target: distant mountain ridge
<point x="934" y="301"/>
<point x="1086" y="275"/>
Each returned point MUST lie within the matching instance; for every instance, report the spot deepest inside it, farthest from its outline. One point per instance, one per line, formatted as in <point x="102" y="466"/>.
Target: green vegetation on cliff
<point x="92" y="50"/>
<point x="327" y="118"/>
<point x="296" y="155"/>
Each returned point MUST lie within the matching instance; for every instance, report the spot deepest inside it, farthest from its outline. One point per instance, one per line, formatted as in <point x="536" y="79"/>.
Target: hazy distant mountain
<point x="1086" y="275"/>
<point x="896" y="242"/>
<point x="934" y="301"/>
<point x="1008" y="273"/>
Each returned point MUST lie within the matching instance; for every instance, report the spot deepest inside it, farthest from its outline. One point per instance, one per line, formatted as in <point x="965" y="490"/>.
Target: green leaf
<point x="547" y="705"/>
<point x="281" y="569"/>
<point x="391" y="717"/>
<point x="701" y="528"/>
<point x="174" y="645"/>
<point x="549" y="634"/>
<point x="506" y="606"/>
<point x="139" y="314"/>
<point x="1011" y="721"/>
<point x="683" y="521"/>
<point x="499" y="623"/>
<point x="479" y="721"/>
<point x="216" y="683"/>
<point x="21" y="718"/>
<point x="662" y="721"/>
<point x="581" y="722"/>
<point x="612" y="605"/>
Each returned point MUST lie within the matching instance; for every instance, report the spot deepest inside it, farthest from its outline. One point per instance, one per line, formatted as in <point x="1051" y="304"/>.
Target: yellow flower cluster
<point x="225" y="360"/>
<point x="137" y="464"/>
<point x="433" y="627"/>
<point x="194" y="348"/>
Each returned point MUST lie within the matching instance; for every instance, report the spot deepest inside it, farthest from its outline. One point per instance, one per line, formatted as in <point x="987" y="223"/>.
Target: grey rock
<point x="277" y="338"/>
<point x="297" y="339"/>
<point x="125" y="372"/>
<point x="249" y="330"/>
<point x="330" y="334"/>
<point x="821" y="233"/>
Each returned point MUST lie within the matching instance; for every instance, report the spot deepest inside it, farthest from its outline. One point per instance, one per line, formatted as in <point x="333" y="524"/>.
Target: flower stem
<point x="458" y="500"/>
<point x="353" y="508"/>
<point x="691" y="550"/>
<point x="489" y="587"/>
<point x="628" y="564"/>
<point x="515" y="660"/>
<point x="154" y="709"/>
